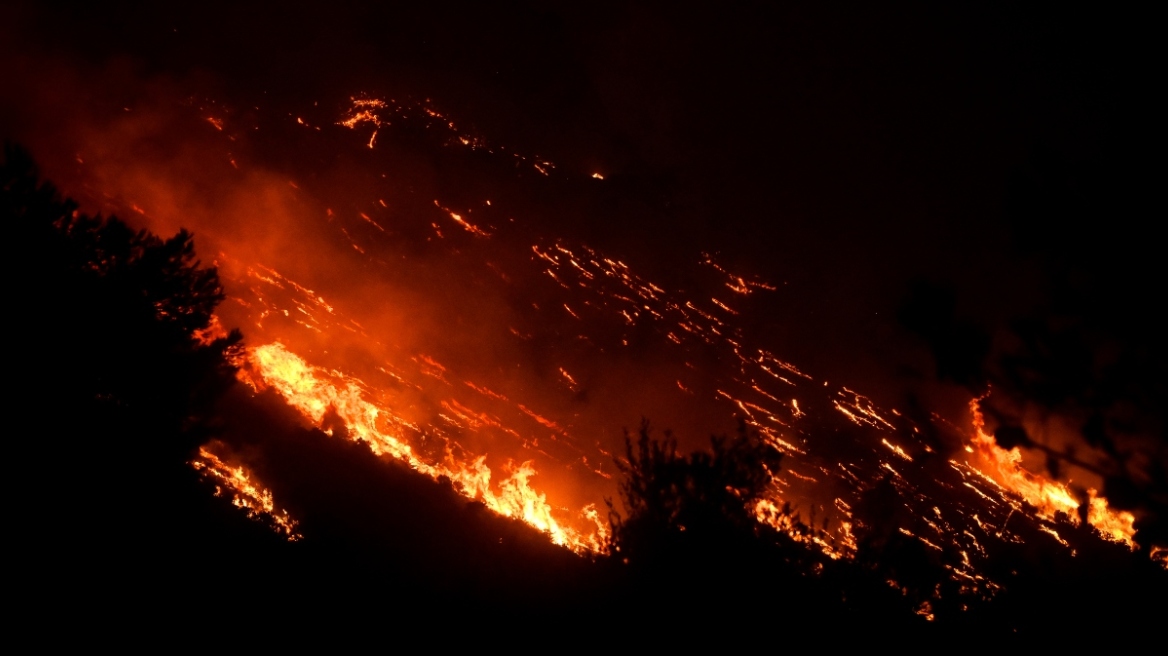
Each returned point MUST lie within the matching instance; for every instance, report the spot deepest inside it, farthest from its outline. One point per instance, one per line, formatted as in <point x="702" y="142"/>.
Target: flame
<point x="1048" y="497"/>
<point x="313" y="392"/>
<point x="246" y="493"/>
<point x="1160" y="555"/>
<point x="771" y="511"/>
<point x="213" y="331"/>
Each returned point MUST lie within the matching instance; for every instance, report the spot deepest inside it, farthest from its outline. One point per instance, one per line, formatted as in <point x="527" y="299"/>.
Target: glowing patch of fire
<point x="309" y="390"/>
<point x="1048" y="497"/>
<point x="245" y="492"/>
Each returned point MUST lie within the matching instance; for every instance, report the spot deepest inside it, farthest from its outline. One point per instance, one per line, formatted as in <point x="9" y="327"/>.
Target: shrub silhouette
<point x="699" y="499"/>
<point x="115" y="393"/>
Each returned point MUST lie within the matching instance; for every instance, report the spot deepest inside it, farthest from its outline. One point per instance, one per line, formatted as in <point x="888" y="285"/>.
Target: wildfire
<point x="315" y="392"/>
<point x="1048" y="497"/>
<point x="602" y="290"/>
<point x="586" y="305"/>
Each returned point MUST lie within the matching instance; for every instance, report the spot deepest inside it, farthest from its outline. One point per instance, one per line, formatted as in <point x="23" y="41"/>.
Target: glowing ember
<point x="772" y="513"/>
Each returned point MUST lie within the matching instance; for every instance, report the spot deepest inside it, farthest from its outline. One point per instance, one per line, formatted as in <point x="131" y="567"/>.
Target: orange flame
<point x="1048" y="497"/>
<point x="310" y="390"/>
<point x="246" y="493"/>
<point x="770" y="511"/>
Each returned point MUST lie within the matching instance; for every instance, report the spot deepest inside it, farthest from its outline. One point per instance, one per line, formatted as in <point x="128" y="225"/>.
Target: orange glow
<point x="1160" y="555"/>
<point x="212" y="332"/>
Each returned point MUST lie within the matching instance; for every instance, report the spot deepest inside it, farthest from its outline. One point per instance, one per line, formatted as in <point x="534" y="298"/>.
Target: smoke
<point x="353" y="258"/>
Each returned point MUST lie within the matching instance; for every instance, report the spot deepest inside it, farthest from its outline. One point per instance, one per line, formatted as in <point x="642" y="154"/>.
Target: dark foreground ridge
<point x="113" y="527"/>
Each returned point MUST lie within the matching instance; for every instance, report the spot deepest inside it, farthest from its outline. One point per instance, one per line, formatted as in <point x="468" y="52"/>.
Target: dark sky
<point x="840" y="151"/>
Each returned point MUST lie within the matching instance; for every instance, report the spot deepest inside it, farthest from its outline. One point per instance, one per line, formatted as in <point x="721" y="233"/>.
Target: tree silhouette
<point x="113" y="312"/>
<point x="666" y="493"/>
<point x="114" y="393"/>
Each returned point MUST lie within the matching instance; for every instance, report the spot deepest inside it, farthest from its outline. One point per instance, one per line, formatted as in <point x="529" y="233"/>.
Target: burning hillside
<point x="513" y="392"/>
<point x="471" y="309"/>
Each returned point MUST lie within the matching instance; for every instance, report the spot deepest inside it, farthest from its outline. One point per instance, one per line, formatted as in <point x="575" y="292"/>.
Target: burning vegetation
<point x="318" y="395"/>
<point x="245" y="493"/>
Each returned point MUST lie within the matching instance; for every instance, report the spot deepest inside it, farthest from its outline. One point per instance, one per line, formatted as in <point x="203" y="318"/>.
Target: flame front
<point x="314" y="392"/>
<point x="1048" y="497"/>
